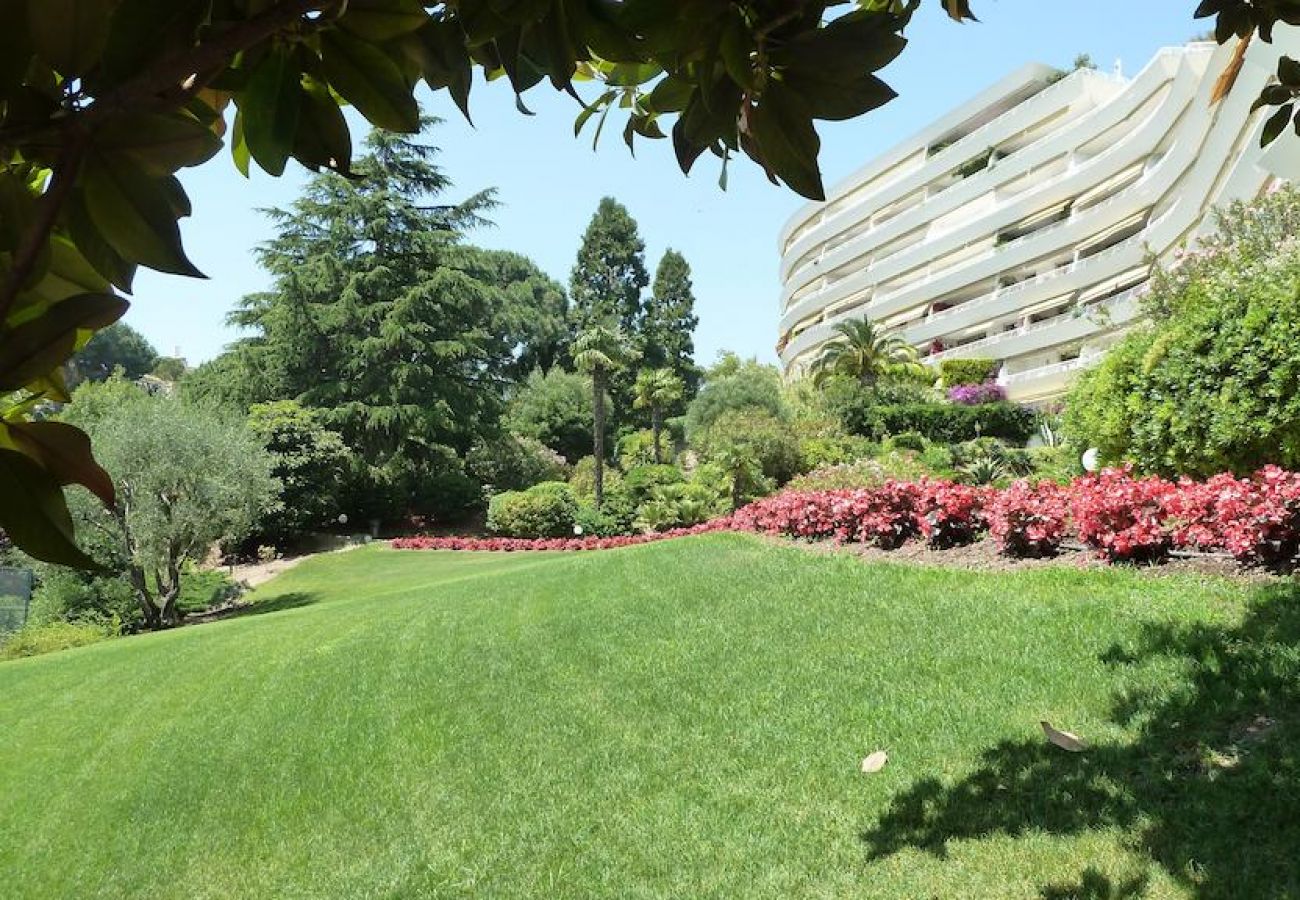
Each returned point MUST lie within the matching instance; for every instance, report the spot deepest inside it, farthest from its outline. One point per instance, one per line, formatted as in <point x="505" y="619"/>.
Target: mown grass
<point x="682" y="719"/>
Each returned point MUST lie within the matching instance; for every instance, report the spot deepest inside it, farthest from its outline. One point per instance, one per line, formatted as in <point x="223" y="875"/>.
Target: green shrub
<point x="1212" y="384"/>
<point x="641" y="482"/>
<point x="946" y="423"/>
<point x="548" y="509"/>
<point x="33" y="640"/>
<point x="512" y="462"/>
<point x="1059" y="464"/>
<point x="556" y="409"/>
<point x="953" y="372"/>
<point x="735" y="386"/>
<point x="637" y="448"/>
<point x="908" y="440"/>
<point x="447" y="497"/>
<point x="831" y="450"/>
<point x="65" y="595"/>
<point x="770" y="442"/>
<point x="583" y="479"/>
<point x="680" y="505"/>
<point x="202" y="589"/>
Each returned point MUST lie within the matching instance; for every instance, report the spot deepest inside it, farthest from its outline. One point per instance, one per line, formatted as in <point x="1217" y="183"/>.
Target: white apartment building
<point x="1022" y="226"/>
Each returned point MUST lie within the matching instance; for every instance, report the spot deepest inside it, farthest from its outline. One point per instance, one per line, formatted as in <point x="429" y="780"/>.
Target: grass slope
<point x="682" y="719"/>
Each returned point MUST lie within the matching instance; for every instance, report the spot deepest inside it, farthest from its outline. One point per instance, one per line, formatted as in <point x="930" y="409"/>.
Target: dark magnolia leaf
<point x="69" y="34"/>
<point x="1273" y="95"/>
<point x="323" y="139"/>
<point x="382" y="20"/>
<point x="177" y="199"/>
<point x="736" y="48"/>
<point x="34" y="514"/>
<point x="370" y="81"/>
<point x="30" y="350"/>
<point x="270" y="105"/>
<point x="146" y="30"/>
<point x="839" y="99"/>
<point x="64" y="452"/>
<point x="1288" y="72"/>
<point x="1276" y="123"/>
<point x="161" y="143"/>
<point x="670" y="94"/>
<point x="561" y="50"/>
<point x="134" y="213"/>
<point x="850" y="45"/>
<point x="446" y="61"/>
<point x="96" y="251"/>
<point x="687" y="152"/>
<point x="782" y="133"/>
<point x="958" y="10"/>
<point x="1209" y="8"/>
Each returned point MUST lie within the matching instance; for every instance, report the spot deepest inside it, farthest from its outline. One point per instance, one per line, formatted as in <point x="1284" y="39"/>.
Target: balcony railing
<point x="1061" y="368"/>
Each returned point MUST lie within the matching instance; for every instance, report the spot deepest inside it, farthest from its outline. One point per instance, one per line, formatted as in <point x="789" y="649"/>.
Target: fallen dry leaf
<point x="875" y="762"/>
<point x="1063" y="739"/>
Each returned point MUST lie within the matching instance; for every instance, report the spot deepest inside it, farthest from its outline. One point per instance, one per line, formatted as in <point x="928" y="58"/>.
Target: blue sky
<point x="549" y="183"/>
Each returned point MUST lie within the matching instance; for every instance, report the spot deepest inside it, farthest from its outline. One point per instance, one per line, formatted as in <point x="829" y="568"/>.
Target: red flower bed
<point x="511" y="545"/>
<point x="1029" y="520"/>
<point x="950" y="514"/>
<point x="885" y="515"/>
<point x="1256" y="519"/>
<point x="1120" y="516"/>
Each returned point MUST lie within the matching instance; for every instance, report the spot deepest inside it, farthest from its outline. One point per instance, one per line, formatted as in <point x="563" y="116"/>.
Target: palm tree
<point x="599" y="351"/>
<point x="654" y="390"/>
<point x="862" y="351"/>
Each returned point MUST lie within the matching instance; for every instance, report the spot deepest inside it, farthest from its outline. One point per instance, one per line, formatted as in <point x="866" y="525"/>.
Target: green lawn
<point x="682" y="719"/>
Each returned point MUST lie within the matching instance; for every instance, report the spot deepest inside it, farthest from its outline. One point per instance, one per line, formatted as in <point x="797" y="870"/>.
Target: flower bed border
<point x="1118" y="516"/>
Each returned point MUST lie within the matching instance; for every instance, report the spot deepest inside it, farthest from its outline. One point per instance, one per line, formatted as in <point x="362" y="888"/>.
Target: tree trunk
<point x="737" y="492"/>
<point x="598" y="432"/>
<point x="148" y="609"/>
<point x="656" y="425"/>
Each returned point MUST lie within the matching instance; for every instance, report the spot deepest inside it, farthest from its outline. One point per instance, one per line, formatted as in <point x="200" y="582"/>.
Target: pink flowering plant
<point x="1029" y="520"/>
<point x="975" y="394"/>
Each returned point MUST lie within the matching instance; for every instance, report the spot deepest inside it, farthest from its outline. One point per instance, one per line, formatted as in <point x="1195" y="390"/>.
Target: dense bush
<point x="954" y="372"/>
<point x="1212" y="384"/>
<point x="680" y="505"/>
<point x="544" y="510"/>
<point x="509" y="545"/>
<point x="833" y="449"/>
<point x="311" y="463"/>
<point x="945" y="422"/>
<point x="512" y="462"/>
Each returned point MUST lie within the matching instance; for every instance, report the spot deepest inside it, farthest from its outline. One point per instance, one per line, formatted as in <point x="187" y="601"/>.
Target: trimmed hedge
<point x="945" y="423"/>
<point x="954" y="372"/>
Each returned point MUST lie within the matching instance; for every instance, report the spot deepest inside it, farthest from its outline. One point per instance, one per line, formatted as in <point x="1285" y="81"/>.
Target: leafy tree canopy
<point x="670" y="320"/>
<point x="117" y="346"/>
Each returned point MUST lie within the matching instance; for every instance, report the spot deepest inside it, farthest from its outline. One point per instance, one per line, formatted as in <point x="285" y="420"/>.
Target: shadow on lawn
<point x="291" y="600"/>
<point x="1209" y="789"/>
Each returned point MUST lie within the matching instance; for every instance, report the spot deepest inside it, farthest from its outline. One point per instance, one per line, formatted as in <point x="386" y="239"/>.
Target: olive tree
<point x="184" y="477"/>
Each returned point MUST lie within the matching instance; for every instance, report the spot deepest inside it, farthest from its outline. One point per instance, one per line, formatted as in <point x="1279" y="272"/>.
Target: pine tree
<point x="670" y="320"/>
<point x="610" y="273"/>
